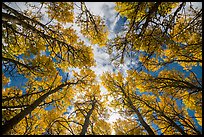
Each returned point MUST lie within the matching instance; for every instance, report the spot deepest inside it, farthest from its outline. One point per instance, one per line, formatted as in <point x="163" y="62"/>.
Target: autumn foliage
<point x="152" y="98"/>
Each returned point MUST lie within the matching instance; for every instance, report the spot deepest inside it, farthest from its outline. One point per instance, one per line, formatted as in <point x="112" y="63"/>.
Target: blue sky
<point x="115" y="24"/>
<point x="119" y="24"/>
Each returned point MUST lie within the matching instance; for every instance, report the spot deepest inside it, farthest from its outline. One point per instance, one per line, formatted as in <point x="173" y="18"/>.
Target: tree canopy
<point x="48" y="54"/>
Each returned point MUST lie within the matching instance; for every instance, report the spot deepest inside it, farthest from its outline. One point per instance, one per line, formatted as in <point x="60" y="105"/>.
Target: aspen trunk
<point x="167" y="118"/>
<point x="87" y="120"/>
<point x="143" y="123"/>
<point x="16" y="119"/>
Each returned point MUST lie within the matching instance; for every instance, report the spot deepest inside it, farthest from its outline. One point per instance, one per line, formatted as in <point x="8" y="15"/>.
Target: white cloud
<point x="102" y="61"/>
<point x="114" y="117"/>
<point x="105" y="10"/>
<point x="97" y="7"/>
<point x="109" y="14"/>
<point x="19" y="6"/>
<point x="196" y="4"/>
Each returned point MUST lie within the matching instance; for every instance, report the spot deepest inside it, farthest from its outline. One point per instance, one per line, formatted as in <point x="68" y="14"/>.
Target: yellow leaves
<point x="48" y="100"/>
<point x="178" y="27"/>
<point x="199" y="117"/>
<point x="122" y="6"/>
<point x="142" y="58"/>
<point x="40" y="43"/>
<point x="185" y="66"/>
<point x="106" y="81"/>
<point x="189" y="101"/>
<point x="139" y="80"/>
<point x="192" y="104"/>
<point x="88" y="74"/>
<point x="195" y="38"/>
<point x="61" y="11"/>
<point x="31" y="44"/>
<point x="16" y="45"/>
<point x="11" y="92"/>
<point x="32" y="122"/>
<point x="5" y="80"/>
<point x="22" y="47"/>
<point x="64" y="66"/>
<point x="130" y="79"/>
<point x="92" y="27"/>
<point x="53" y="81"/>
<point x="128" y="9"/>
<point x="21" y="127"/>
<point x="162" y="104"/>
<point x="50" y="118"/>
<point x="165" y="128"/>
<point x="105" y="127"/>
<point x="81" y="55"/>
<point x="166" y="7"/>
<point x="127" y="127"/>
<point x="152" y="64"/>
<point x="45" y="64"/>
<point x="93" y="90"/>
<point x="186" y="55"/>
<point x="168" y="53"/>
<point x="85" y="79"/>
<point x="70" y="35"/>
<point x="113" y="82"/>
<point x="67" y="35"/>
<point x="183" y="34"/>
<point x="149" y="98"/>
<point x="43" y="83"/>
<point x="141" y="88"/>
<point x="85" y="56"/>
<point x="96" y="31"/>
<point x="172" y="74"/>
<point x="167" y="106"/>
<point x="182" y="44"/>
<point x="118" y="78"/>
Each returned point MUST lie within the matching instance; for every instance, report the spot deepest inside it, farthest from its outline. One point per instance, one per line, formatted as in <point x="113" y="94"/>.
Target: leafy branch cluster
<point x="156" y="36"/>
